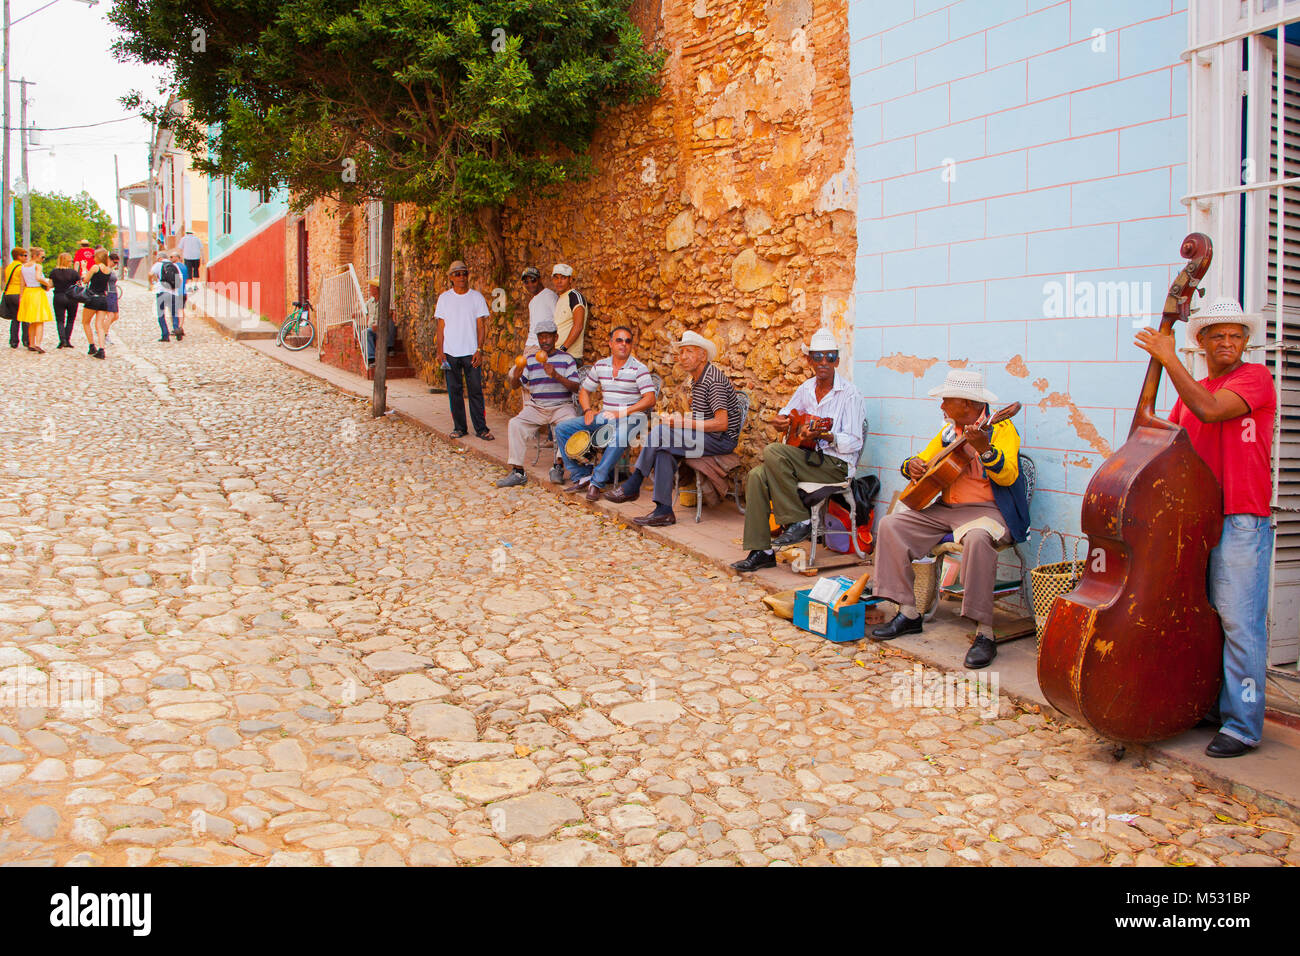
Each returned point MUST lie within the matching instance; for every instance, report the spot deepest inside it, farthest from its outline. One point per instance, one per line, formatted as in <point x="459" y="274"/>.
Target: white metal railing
<point x="1230" y="57"/>
<point x="341" y="301"/>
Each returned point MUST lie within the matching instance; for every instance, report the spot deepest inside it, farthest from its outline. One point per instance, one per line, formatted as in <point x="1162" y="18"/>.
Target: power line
<point x="54" y="129"/>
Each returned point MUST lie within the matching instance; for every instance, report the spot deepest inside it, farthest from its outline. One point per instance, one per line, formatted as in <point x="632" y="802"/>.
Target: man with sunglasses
<point x="825" y="395"/>
<point x="460" y="314"/>
<point x="627" y="392"/>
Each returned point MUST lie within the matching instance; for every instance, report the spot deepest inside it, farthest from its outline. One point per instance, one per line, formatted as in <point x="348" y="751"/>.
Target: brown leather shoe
<point x="594" y="493"/>
<point x="653" y="520"/>
<point x="619" y="496"/>
<point x="575" y="486"/>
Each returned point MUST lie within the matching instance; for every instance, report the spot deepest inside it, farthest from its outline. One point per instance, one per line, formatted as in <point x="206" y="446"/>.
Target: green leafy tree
<point x="452" y="104"/>
<point x="60" y="222"/>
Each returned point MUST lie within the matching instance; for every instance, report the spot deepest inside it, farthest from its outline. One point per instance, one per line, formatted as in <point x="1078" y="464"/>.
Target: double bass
<point x="1135" y="651"/>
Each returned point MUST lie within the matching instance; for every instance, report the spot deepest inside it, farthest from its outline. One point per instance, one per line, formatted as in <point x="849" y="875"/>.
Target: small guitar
<point x="797" y="420"/>
<point x="943" y="470"/>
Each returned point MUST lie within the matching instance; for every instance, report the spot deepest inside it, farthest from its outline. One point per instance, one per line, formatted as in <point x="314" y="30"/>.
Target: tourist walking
<point x="97" y="303"/>
<point x="34" y="305"/>
<point x="191" y="247"/>
<point x="109" y="315"/>
<point x="12" y="293"/>
<point x="166" y="275"/>
<point x="83" y="260"/>
<point x="64" y="277"/>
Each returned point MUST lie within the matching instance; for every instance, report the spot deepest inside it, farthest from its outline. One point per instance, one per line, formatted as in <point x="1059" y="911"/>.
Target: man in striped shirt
<point x="712" y="429"/>
<point x="627" y="392"/>
<point x="548" y="397"/>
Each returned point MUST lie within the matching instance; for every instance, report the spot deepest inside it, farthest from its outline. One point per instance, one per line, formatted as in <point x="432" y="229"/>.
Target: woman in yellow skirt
<point x="34" y="306"/>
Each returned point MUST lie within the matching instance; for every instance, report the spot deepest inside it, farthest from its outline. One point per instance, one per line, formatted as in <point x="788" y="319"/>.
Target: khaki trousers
<point x="906" y="535"/>
<point x="784" y="466"/>
<point x="531" y="417"/>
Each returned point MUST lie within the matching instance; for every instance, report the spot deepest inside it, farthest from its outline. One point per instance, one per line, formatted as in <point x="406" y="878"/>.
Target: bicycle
<point x="297" y="331"/>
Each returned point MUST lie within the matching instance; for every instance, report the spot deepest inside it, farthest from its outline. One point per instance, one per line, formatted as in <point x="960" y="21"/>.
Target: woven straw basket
<point x="1048" y="581"/>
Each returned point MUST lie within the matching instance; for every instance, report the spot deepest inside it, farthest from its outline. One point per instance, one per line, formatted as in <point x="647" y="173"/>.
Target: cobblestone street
<point x="325" y="639"/>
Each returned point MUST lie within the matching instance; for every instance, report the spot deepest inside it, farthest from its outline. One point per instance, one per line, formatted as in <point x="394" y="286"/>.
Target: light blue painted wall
<point x="1001" y="145"/>
<point x="246" y="216"/>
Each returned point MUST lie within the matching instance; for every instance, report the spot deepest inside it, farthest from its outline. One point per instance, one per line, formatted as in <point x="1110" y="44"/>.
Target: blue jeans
<point x="174" y="300"/>
<point x="613" y="436"/>
<point x="1238" y="589"/>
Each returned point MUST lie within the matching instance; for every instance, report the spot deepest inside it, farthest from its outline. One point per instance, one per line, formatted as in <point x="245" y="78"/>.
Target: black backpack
<point x="169" y="275"/>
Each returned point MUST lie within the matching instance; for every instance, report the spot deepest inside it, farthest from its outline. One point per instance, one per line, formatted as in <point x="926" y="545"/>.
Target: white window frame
<point x="1219" y="31"/>
<point x="226" y="221"/>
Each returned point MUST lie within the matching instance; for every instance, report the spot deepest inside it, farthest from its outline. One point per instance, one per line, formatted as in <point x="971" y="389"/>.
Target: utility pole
<point x="27" y="188"/>
<point x="379" y="400"/>
<point x="6" y="239"/>
<point x="122" y="243"/>
<point x="149" y="256"/>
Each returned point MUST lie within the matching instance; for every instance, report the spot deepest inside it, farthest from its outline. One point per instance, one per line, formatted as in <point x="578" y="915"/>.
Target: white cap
<point x="964" y="383"/>
<point x="562" y="270"/>
<point x="1223" y="309"/>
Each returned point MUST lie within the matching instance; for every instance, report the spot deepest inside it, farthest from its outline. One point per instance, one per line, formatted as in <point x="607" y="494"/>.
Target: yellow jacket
<point x="1002" y="470"/>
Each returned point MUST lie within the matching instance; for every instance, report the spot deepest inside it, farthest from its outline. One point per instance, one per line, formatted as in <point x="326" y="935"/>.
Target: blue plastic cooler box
<point x="846" y="624"/>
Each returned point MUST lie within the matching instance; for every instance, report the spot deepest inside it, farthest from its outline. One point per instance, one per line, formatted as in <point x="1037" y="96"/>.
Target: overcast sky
<point x="65" y="49"/>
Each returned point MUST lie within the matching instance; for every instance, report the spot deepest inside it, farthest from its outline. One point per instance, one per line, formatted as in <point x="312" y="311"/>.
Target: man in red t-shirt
<point x="1229" y="419"/>
<point x="83" y="260"/>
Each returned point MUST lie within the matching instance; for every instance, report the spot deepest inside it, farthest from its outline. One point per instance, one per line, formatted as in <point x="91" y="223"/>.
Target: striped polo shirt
<point x="544" y="390"/>
<point x="621" y="390"/>
<point x="712" y="391"/>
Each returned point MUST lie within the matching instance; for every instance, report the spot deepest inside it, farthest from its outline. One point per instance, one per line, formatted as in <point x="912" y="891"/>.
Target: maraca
<point x="521" y="361"/>
<point x="541" y="357"/>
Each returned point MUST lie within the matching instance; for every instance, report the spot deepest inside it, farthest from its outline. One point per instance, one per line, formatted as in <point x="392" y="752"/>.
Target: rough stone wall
<point x="726" y="205"/>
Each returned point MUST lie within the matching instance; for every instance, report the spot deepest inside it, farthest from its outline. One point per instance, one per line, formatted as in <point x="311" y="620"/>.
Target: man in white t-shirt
<point x="541" y="304"/>
<point x="191" y="248"/>
<point x="460" y="313"/>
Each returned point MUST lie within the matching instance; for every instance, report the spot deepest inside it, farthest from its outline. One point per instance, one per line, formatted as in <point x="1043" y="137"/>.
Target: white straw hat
<point x="699" y="341"/>
<point x="1224" y="309"/>
<point x="964" y="383"/>
<point x="823" y="340"/>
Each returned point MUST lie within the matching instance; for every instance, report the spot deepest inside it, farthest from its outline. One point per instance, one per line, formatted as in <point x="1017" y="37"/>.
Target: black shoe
<point x="619" y="496"/>
<point x="655" y="520"/>
<point x="799" y="531"/>
<point x="1225" y="746"/>
<point x="981" y="653"/>
<point x="99" y="353"/>
<point x="756" y="560"/>
<point x="899" y="625"/>
<point x="90" y="349"/>
<point x="180" y="334"/>
<point x="164" y="339"/>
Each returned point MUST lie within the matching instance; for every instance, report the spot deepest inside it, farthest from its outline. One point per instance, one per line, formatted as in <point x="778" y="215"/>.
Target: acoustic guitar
<point x="797" y="420"/>
<point x="943" y="470"/>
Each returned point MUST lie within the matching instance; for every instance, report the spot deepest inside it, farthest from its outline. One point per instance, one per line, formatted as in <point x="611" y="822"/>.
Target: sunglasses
<point x="460" y="272"/>
<point x="622" y="341"/>
<point x="824" y="356"/>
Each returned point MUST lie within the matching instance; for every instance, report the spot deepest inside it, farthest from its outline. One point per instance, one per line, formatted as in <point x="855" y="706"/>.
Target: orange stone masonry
<point x="726" y="205"/>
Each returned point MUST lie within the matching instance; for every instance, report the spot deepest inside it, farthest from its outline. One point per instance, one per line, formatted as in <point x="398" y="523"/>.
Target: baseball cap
<point x="562" y="270"/>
